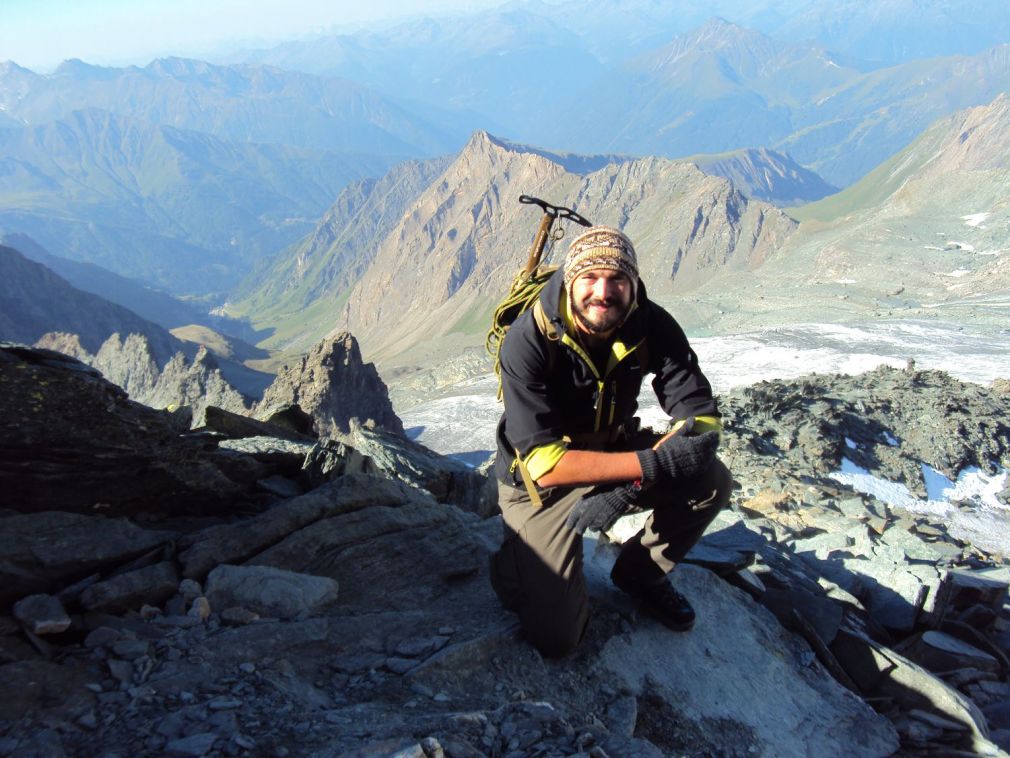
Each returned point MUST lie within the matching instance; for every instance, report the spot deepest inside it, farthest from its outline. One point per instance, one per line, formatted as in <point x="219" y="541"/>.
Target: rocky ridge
<point x="335" y="387"/>
<point x="130" y="363"/>
<point x="355" y="618"/>
<point x="457" y="245"/>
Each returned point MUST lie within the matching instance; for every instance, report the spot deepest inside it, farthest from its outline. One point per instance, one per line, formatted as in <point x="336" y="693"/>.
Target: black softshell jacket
<point x="544" y="403"/>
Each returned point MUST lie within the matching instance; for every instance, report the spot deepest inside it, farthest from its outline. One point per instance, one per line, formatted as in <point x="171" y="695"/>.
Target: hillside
<point x="237" y="103"/>
<point x="925" y="235"/>
<point x="148" y="303"/>
<point x="34" y="300"/>
<point x="184" y="210"/>
<point x="436" y="275"/>
<point x="724" y="87"/>
<point x="314" y="273"/>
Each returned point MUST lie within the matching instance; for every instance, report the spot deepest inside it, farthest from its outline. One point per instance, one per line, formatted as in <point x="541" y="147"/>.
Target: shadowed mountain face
<point x="34" y="300"/>
<point x="766" y="175"/>
<point x="141" y="357"/>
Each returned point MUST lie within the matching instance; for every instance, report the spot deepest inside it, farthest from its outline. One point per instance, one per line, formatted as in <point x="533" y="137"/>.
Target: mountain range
<point x="923" y="236"/>
<point x="180" y="209"/>
<point x="449" y="248"/>
<point x="679" y="79"/>
<point x="414" y="263"/>
<point x="724" y="87"/>
<point x="239" y="103"/>
<point x="303" y="202"/>
<point x="190" y="176"/>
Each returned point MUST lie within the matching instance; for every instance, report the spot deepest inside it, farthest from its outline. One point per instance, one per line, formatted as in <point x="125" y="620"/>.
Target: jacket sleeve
<point x="531" y="420"/>
<point x="681" y="387"/>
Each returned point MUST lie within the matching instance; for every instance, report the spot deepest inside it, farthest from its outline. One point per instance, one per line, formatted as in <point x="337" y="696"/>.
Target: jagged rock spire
<point x="334" y="386"/>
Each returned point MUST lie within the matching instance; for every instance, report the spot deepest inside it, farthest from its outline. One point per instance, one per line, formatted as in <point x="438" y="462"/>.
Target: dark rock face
<point x="887" y="421"/>
<point x="334" y="386"/>
<point x="71" y="440"/>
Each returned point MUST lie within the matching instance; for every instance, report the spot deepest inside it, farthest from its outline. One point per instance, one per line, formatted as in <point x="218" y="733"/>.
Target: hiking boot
<point x="661" y="601"/>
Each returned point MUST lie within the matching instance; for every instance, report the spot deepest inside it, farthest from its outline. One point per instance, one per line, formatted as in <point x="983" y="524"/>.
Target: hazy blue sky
<point x="39" y="34"/>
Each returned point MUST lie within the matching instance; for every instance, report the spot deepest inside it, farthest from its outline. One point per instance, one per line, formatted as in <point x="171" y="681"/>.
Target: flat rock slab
<point x="779" y="701"/>
<point x="151" y="585"/>
<point x="236" y="543"/>
<point x="41" y="552"/>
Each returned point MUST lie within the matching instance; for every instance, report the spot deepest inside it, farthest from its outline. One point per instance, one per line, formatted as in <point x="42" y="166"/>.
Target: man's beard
<point x="604" y="323"/>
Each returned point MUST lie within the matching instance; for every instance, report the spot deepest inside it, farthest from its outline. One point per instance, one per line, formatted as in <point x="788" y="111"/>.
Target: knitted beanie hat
<point x="600" y="247"/>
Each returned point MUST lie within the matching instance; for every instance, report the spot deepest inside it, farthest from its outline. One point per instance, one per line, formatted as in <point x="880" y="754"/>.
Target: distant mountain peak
<point x="483" y="142"/>
<point x="77" y="68"/>
<point x="10" y="68"/>
<point x="718" y="32"/>
<point x="716" y="37"/>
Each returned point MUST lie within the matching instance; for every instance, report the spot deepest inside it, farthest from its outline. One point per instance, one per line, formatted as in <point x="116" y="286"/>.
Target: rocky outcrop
<point x="357" y="618"/>
<point x="365" y="608"/>
<point x="447" y="479"/>
<point x="335" y="387"/>
<point x="71" y="440"/>
<point x="132" y="364"/>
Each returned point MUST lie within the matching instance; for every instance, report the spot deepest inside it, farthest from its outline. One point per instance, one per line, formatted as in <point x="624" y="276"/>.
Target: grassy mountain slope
<point x="183" y="210"/>
<point x="925" y="235"/>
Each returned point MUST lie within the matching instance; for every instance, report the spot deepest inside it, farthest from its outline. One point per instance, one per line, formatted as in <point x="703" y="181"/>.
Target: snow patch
<point x="955" y="245"/>
<point x="985" y="524"/>
<point x="956" y="273"/>
<point x="846" y="281"/>
<point x="975" y="219"/>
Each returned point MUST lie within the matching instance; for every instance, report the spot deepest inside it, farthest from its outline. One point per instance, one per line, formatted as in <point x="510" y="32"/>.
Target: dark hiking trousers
<point x="537" y="572"/>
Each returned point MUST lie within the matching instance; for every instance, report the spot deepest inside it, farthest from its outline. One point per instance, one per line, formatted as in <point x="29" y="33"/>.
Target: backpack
<point x="523" y="295"/>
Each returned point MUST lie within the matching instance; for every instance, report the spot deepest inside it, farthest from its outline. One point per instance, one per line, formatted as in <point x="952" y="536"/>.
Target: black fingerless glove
<point x="678" y="457"/>
<point x="599" y="509"/>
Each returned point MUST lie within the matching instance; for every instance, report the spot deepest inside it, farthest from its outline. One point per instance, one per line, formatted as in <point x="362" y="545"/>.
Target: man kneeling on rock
<point x="570" y="456"/>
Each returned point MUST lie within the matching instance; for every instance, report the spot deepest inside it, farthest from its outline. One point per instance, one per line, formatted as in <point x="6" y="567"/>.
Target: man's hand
<point x="677" y="456"/>
<point x="599" y="509"/>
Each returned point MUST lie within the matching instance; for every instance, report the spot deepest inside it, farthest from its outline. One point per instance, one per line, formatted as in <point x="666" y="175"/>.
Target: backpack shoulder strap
<point x="549" y="330"/>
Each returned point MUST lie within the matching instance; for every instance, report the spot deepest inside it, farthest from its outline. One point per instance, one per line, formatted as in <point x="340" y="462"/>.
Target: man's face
<point x="601" y="299"/>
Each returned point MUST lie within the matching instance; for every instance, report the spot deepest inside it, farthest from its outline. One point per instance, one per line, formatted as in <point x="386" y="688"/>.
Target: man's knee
<point x="556" y="634"/>
<point x="721" y="482"/>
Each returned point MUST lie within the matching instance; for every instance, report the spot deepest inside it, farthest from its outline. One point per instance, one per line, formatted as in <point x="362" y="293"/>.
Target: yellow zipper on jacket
<point x="618" y="352"/>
